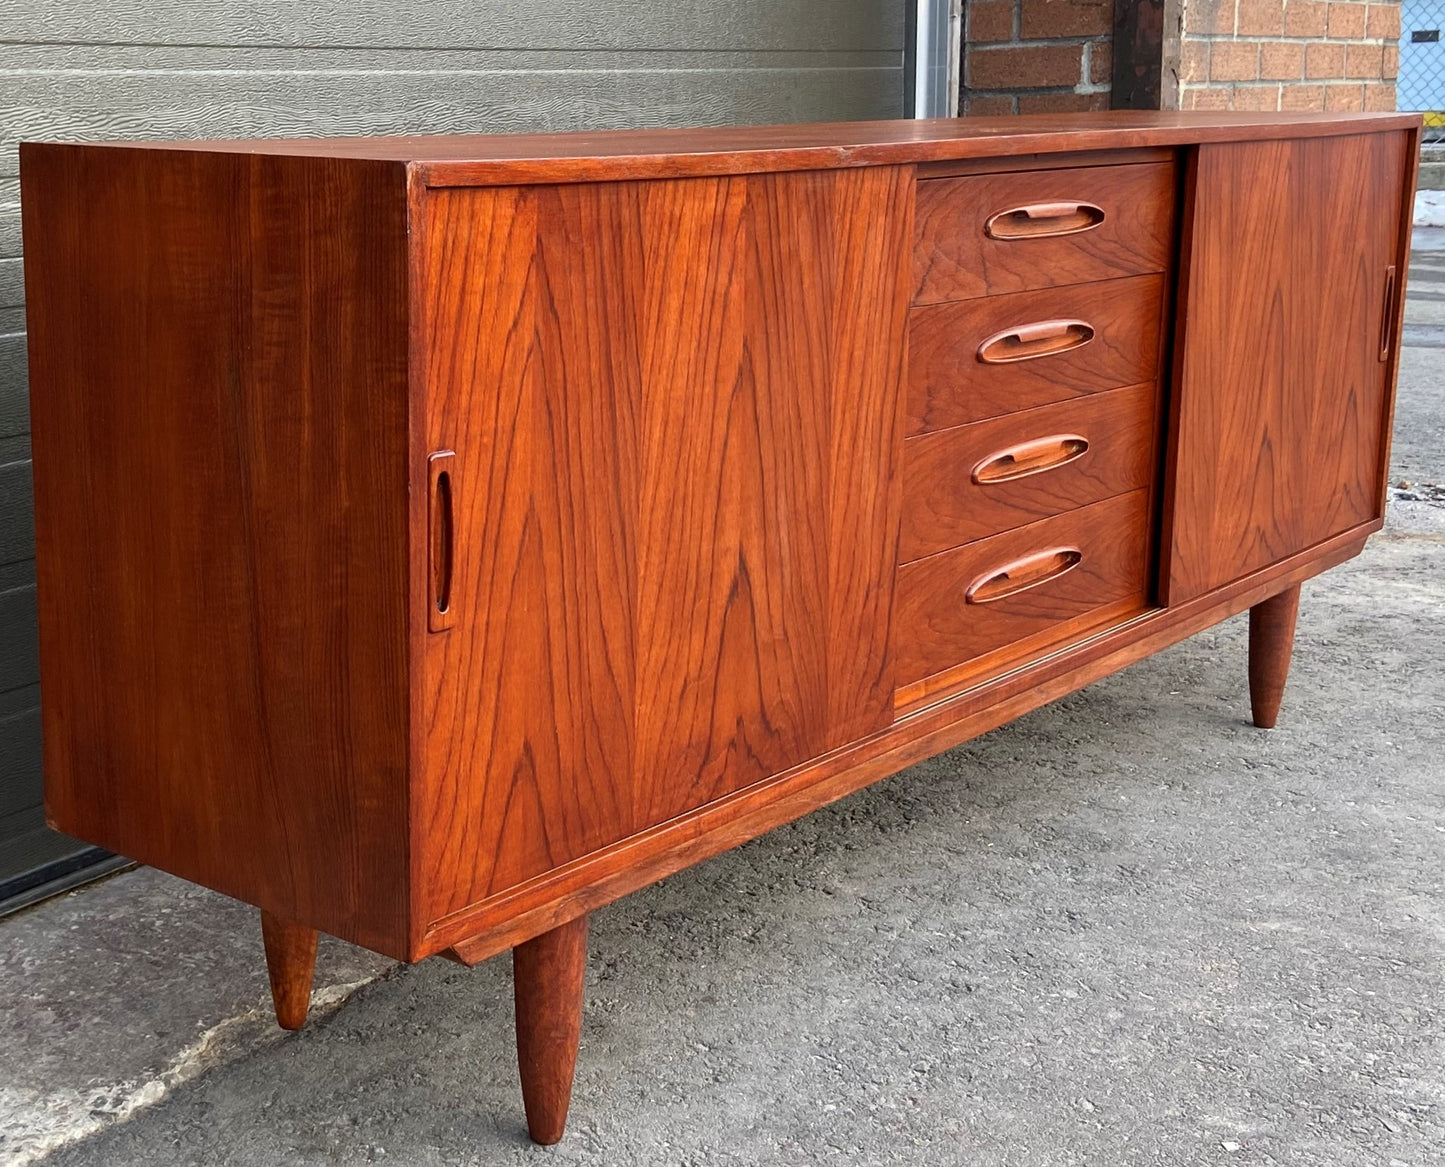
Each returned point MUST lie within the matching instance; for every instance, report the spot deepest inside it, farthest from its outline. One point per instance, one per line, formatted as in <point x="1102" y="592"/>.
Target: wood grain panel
<point x="471" y="159"/>
<point x="1282" y="401"/>
<point x="732" y="634"/>
<point x="943" y="505"/>
<point x="919" y="733"/>
<point x="218" y="353"/>
<point x="1033" y="162"/>
<point x="948" y="385"/>
<point x="770" y="454"/>
<point x="867" y="295"/>
<point x="534" y="379"/>
<point x="718" y="385"/>
<point x="954" y="258"/>
<point x="939" y="629"/>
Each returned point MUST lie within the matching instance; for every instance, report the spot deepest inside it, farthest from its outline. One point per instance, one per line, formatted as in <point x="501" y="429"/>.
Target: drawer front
<point x="982" y="358"/>
<point x="991" y="233"/>
<point x="977" y="480"/>
<point x="1018" y="590"/>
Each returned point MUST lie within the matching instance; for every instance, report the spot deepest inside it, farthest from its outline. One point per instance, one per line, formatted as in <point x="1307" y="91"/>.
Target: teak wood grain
<point x="218" y="363"/>
<point x="920" y="732"/>
<point x="948" y="385"/>
<point x="549" y="975"/>
<point x="537" y="399"/>
<point x="1271" y="643"/>
<point x="651" y="438"/>
<point x="944" y="505"/>
<point x="1282" y="397"/>
<point x="939" y="629"/>
<point x="717" y="381"/>
<point x="611" y="155"/>
<point x="290" y="967"/>
<point x="954" y="168"/>
<point x="956" y="258"/>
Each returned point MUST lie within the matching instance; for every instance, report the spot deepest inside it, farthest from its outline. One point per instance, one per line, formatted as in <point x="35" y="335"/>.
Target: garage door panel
<point x="503" y="24"/>
<point x="126" y="104"/>
<point x="9" y="233"/>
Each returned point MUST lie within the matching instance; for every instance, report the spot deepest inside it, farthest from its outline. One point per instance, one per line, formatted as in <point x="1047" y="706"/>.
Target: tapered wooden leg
<point x="290" y="961"/>
<point x="1271" y="640"/>
<point x="547" y="979"/>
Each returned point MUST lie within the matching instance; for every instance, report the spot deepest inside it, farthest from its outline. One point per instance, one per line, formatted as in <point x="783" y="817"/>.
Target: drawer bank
<point x="439" y="538"/>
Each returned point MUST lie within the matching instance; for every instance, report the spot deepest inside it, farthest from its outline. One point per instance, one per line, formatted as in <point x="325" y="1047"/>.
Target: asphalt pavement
<point x="1128" y="928"/>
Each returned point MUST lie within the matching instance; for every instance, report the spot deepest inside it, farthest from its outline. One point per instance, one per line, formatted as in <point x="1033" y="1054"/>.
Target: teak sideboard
<point x="439" y="538"/>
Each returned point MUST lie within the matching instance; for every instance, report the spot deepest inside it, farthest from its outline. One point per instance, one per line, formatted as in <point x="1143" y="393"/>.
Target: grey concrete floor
<point x="1128" y="928"/>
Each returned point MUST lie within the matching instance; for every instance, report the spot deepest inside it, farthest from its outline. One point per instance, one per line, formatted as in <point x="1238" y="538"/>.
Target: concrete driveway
<point x="1127" y="929"/>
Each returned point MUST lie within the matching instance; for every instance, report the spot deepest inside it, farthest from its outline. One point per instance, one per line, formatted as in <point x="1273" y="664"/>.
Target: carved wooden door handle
<point x="1387" y="315"/>
<point x="1027" y="341"/>
<point x="1022" y="574"/>
<point x="1042" y="220"/>
<point x="1030" y="458"/>
<point x="441" y="523"/>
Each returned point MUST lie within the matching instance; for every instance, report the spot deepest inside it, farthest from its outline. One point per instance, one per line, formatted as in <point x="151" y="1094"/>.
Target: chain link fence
<point x="1421" y="84"/>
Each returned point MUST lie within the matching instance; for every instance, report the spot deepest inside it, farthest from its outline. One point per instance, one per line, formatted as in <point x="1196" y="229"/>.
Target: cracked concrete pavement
<point x="1128" y="928"/>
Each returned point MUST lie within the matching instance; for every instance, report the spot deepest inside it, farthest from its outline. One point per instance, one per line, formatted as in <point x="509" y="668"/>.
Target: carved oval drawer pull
<point x="1028" y="341"/>
<point x="1030" y="458"/>
<point x="1022" y="574"/>
<point x="1042" y="220"/>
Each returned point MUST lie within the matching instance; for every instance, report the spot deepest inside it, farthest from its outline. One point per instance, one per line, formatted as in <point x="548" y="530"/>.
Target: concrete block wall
<point x="1289" y="54"/>
<point x="1036" y="56"/>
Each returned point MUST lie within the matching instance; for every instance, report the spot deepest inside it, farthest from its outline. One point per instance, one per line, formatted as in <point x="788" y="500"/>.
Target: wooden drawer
<point x="990" y="233"/>
<point x="982" y="358"/>
<point x="976" y="480"/>
<point x="958" y="609"/>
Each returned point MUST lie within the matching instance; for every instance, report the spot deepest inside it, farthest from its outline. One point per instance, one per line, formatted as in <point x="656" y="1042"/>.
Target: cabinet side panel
<point x="219" y="386"/>
<point x="1282" y="397"/>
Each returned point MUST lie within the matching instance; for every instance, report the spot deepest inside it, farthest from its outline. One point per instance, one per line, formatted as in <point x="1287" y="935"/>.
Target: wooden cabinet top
<point x="472" y="159"/>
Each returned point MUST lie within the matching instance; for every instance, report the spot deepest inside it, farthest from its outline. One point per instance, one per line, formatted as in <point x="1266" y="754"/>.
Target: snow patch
<point x="1430" y="208"/>
<point x="33" y="1123"/>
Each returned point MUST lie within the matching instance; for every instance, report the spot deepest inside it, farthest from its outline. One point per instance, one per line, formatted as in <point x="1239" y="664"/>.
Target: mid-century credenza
<point x="439" y="538"/>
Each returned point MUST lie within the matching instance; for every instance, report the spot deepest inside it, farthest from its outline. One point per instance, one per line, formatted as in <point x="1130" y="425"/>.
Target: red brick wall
<point x="1036" y="56"/>
<point x="1032" y="56"/>
<point x="1289" y="54"/>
